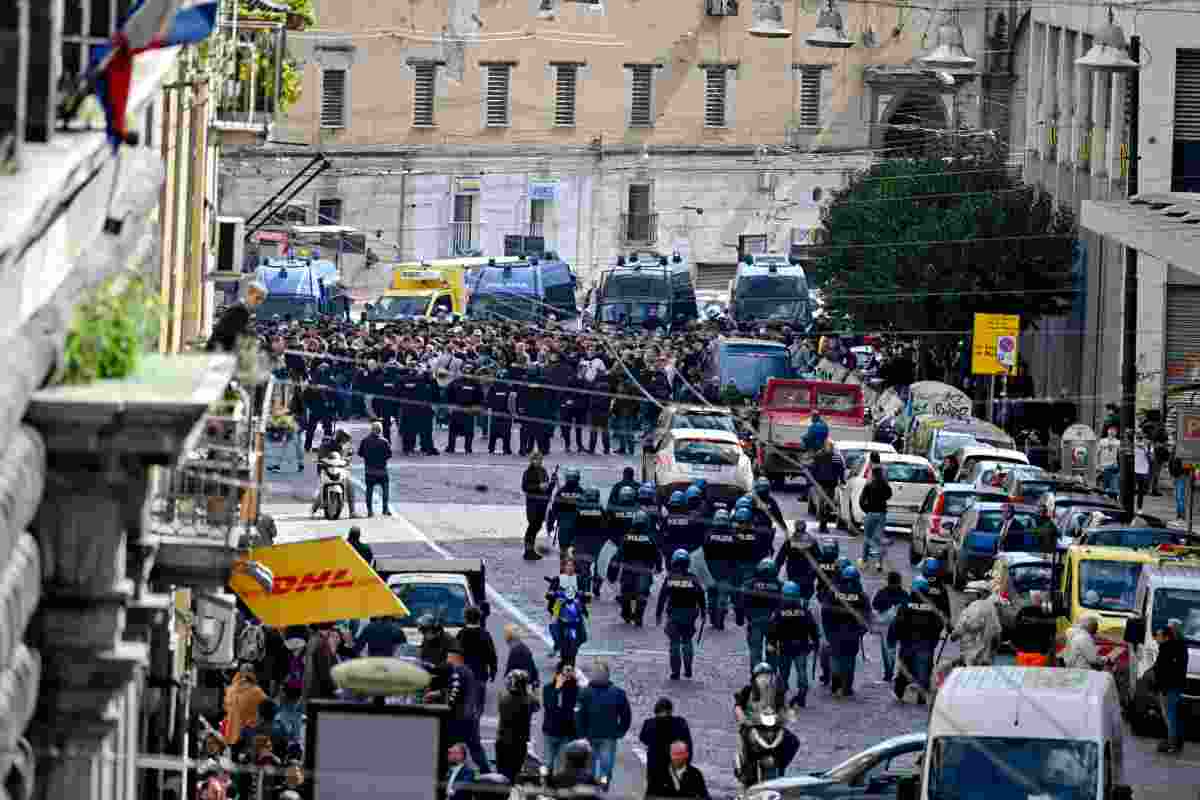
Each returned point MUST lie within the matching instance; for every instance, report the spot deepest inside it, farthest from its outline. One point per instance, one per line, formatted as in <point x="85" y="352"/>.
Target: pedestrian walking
<point x="603" y="718"/>
<point x="559" y="698"/>
<point x="479" y="651"/>
<point x="1141" y="468"/>
<point x="538" y="485"/>
<point x="376" y="452"/>
<point x="828" y="470"/>
<point x="681" y="778"/>
<point x="1107" y="451"/>
<point x="519" y="655"/>
<point x="516" y="708"/>
<point x="885" y="604"/>
<point x="1170" y="678"/>
<point x="1180" y="475"/>
<point x="658" y="734"/>
<point x="873" y="502"/>
<point x="455" y="687"/>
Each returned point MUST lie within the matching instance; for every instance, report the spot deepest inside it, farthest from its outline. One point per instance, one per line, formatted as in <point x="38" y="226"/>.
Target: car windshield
<point x="1031" y="577"/>
<point x="993" y="521"/>
<point x="1033" y="490"/>
<point x="698" y="420"/>
<point x="633" y="313"/>
<point x="707" y="453"/>
<point x="1180" y="604"/>
<point x="504" y="307"/>
<point x="296" y="307"/>
<point x="395" y="307"/>
<point x="901" y="472"/>
<point x="860" y="762"/>
<point x="1012" y="768"/>
<point x="1137" y="538"/>
<point x="1108" y="585"/>
<point x="773" y="286"/>
<point x="636" y="285"/>
<point x="767" y="309"/>
<point x="946" y="443"/>
<point x="957" y="502"/>
<point x="444" y="601"/>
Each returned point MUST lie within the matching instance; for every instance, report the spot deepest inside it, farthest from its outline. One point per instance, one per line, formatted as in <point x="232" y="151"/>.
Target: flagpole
<point x="113" y="225"/>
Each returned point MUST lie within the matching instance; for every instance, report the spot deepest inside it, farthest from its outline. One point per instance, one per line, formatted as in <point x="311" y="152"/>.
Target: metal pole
<point x="991" y="399"/>
<point x="1191" y="494"/>
<point x="1130" y="310"/>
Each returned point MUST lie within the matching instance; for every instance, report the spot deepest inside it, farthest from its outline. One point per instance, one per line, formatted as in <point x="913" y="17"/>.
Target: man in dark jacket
<point x="658" y="733"/>
<point x="1170" y="676"/>
<point x="828" y="469"/>
<point x="886" y="604"/>
<point x="235" y="320"/>
<point x="519" y="655"/>
<point x="515" y="708"/>
<point x="538" y="485"/>
<point x="455" y="686"/>
<point x="559" y="697"/>
<point x="873" y="502"/>
<point x="376" y="452"/>
<point x="917" y="630"/>
<point x="603" y="718"/>
<point x="680" y="779"/>
<point x="479" y="651"/>
<point x="380" y="637"/>
<point x="626" y="480"/>
<point x="465" y="396"/>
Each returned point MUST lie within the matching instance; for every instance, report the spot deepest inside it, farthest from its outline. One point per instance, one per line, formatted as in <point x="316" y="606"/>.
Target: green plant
<point x="115" y="324"/>
<point x="264" y="70"/>
<point x="299" y="8"/>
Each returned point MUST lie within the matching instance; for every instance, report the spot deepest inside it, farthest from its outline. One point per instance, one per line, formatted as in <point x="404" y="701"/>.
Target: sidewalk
<point x="1164" y="506"/>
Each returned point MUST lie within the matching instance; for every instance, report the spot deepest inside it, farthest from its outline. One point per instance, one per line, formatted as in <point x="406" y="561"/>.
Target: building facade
<point x="1073" y="126"/>
<point x="601" y="127"/>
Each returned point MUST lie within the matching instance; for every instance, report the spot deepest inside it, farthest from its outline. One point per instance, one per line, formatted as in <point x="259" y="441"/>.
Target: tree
<point x="917" y="246"/>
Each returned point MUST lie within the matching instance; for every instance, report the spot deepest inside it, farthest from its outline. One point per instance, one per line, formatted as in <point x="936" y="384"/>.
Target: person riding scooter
<point x="758" y="709"/>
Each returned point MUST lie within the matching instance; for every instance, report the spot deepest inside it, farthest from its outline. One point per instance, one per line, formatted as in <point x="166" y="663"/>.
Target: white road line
<point x="497" y="598"/>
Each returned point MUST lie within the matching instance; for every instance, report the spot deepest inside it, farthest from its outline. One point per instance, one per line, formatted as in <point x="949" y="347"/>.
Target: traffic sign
<point x="1187" y="435"/>
<point x="994" y="344"/>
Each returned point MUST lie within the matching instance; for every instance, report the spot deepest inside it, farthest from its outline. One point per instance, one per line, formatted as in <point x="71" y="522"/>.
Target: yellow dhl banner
<point x="323" y="580"/>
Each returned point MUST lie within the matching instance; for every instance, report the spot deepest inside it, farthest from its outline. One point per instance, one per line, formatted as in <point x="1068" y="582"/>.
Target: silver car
<point x="939" y="514"/>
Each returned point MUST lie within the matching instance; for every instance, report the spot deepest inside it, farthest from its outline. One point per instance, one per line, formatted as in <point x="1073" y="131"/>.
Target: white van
<point x="1166" y="590"/>
<point x="1016" y="733"/>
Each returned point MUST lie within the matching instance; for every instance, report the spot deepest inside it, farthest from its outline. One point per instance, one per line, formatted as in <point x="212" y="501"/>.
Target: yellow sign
<point x="994" y="345"/>
<point x="323" y="580"/>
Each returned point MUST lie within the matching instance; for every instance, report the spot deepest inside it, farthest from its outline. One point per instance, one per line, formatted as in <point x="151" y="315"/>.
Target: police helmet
<point x="646" y="493"/>
<point x="743" y="516"/>
<point x="676" y="499"/>
<point x="641" y="520"/>
<point x="920" y="584"/>
<point x="762" y="487"/>
<point x="850" y="573"/>
<point x="931" y="567"/>
<point x="791" y="589"/>
<point x="765" y="567"/>
<point x="517" y="681"/>
<point x="571" y="475"/>
<point x="680" y="558"/>
<point x="721" y="519"/>
<point x="702" y="483"/>
<point x="745" y="501"/>
<point x="843" y="562"/>
<point x="627" y="495"/>
<point x="592" y="495"/>
<point x="762" y="668"/>
<point x="693" y="493"/>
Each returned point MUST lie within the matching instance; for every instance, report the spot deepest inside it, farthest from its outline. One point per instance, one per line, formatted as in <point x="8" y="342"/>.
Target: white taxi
<point x="686" y="455"/>
<point x="910" y="477"/>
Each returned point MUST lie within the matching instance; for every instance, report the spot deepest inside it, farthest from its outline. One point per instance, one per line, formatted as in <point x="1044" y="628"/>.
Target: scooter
<point x="333" y="471"/>
<point x="764" y="737"/>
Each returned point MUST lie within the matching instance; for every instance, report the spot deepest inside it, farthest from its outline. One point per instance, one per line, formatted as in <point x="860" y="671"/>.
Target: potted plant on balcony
<point x="112" y="329"/>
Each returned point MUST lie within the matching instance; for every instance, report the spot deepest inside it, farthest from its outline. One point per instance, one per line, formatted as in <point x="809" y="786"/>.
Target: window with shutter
<point x="424" y="82"/>
<point x="1185" y="156"/>
<point x="566" y="76"/>
<point x="714" y="97"/>
<point x="333" y="98"/>
<point x="810" y="97"/>
<point x="641" y="102"/>
<point x="497" y="95"/>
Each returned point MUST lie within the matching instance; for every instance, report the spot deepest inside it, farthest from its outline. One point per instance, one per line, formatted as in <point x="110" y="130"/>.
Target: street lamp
<point x="768" y="20"/>
<point x="830" y="31"/>
<point x="1109" y="53"/>
<point x="949" y="53"/>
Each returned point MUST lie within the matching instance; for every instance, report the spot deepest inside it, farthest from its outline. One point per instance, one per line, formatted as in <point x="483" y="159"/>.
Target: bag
<point x="295" y="678"/>
<point x="252" y="643"/>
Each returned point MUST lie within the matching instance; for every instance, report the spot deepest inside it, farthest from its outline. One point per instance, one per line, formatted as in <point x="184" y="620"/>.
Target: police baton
<point x="700" y="636"/>
<point x="945" y="638"/>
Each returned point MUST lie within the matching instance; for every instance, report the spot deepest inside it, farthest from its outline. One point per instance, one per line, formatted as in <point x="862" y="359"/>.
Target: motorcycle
<point x="333" y="470"/>
<point x="764" y="757"/>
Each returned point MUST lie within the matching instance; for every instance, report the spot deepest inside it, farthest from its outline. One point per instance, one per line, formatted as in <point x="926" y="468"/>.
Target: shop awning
<point x="1166" y="227"/>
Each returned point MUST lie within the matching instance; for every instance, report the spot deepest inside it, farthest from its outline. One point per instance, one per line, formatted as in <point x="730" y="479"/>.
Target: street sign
<point x="1187" y="435"/>
<point x="994" y="344"/>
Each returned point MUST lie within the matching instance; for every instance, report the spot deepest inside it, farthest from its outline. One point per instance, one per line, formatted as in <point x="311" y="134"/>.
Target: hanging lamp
<point x="950" y="53"/>
<point x="768" y="20"/>
<point x="1110" y="51"/>
<point x="830" y="31"/>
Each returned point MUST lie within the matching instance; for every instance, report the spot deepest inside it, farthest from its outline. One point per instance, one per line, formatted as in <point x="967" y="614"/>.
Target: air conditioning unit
<point x="231" y="244"/>
<point x="721" y="8"/>
<point x="213" y="628"/>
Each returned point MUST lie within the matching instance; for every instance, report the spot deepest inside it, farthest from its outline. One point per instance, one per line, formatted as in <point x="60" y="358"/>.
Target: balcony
<point x="639" y="229"/>
<point x="249" y="92"/>
<point x="464" y="239"/>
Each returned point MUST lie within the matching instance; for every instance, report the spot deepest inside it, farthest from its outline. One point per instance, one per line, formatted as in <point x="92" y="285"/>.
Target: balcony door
<point x="464" y="237"/>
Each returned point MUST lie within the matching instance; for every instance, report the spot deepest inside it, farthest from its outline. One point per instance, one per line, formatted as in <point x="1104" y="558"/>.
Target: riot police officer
<point x="620" y="514"/>
<point x="828" y="569"/>
<point x="746" y="547"/>
<point x="591" y="532"/>
<point x="639" y="557"/>
<point x="792" y="634"/>
<point x="844" y="614"/>
<point x="410" y="395"/>
<point x="540" y="410"/>
<point x="426" y="395"/>
<point x="465" y="395"/>
<point x="387" y="396"/>
<point x="679" y="528"/>
<point x="564" y="510"/>
<point x="694" y="497"/>
<point x="761" y="596"/>
<point x="798" y="555"/>
<point x="762" y="491"/>
<point x="682" y="596"/>
<point x="931" y="570"/>
<point x="648" y="502"/>
<point x="764" y="527"/>
<point x="626" y="480"/>
<point x="318" y="405"/>
<point x="720" y="554"/>
<point x="501" y="403"/>
<point x="917" y="630"/>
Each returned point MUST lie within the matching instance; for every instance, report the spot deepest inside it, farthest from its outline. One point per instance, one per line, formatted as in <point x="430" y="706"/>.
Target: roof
<point x="741" y="340"/>
<point x="1000" y="505"/>
<point x="1029" y="702"/>
<point x="1019" y="559"/>
<point x="903" y="458"/>
<point x="1173" y="575"/>
<point x="696" y="408"/>
<point x="770" y="268"/>
<point x="1092" y="552"/>
<point x="696" y="433"/>
<point x="854" y="444"/>
<point x="990" y="453"/>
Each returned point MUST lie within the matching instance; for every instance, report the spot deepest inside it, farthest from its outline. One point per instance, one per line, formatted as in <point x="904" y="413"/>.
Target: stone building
<point x="605" y="126"/>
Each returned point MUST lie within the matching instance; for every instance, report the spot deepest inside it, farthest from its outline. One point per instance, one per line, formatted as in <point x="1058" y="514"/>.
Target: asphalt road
<point x="457" y="505"/>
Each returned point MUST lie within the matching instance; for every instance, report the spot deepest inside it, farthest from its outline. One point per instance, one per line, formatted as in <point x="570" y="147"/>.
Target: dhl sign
<point x="322" y="580"/>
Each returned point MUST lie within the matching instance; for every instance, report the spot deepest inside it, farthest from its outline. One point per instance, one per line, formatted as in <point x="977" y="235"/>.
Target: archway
<point x="910" y="124"/>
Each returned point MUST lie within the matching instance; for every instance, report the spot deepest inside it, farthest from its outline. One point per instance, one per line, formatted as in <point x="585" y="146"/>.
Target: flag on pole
<point x="153" y="24"/>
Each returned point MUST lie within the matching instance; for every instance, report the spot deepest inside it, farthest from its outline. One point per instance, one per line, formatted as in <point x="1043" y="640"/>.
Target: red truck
<point x="784" y="417"/>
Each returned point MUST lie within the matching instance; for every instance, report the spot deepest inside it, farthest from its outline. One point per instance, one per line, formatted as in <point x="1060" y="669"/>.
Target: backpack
<point x="288" y="724"/>
<point x="295" y="677"/>
<point x="251" y="643"/>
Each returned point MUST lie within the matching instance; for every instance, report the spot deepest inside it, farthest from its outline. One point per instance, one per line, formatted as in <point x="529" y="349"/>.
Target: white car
<point x="910" y="477"/>
<point x="986" y="475"/>
<point x="686" y="455"/>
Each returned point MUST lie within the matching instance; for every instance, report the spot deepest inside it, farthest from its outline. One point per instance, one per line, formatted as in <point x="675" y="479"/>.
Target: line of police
<point x="720" y="556"/>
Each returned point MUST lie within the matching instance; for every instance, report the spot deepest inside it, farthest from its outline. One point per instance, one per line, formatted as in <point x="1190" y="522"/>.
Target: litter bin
<point x="1079" y="452"/>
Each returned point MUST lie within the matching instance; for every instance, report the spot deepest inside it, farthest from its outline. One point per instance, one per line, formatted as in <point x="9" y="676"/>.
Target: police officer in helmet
<point x="720" y="554"/>
<point x="760" y="599"/>
<point x="638" y="557"/>
<point x="917" y="630"/>
<point x="791" y="636"/>
<point x="682" y="597"/>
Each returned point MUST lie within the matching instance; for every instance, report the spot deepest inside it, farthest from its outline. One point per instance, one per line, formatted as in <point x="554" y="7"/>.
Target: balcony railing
<point x="639" y="229"/>
<point x="536" y="228"/>
<point x="250" y="89"/>
<point x="464" y="238"/>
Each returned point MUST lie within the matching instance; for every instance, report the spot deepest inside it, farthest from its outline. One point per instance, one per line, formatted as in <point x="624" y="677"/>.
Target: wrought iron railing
<point x="639" y="228"/>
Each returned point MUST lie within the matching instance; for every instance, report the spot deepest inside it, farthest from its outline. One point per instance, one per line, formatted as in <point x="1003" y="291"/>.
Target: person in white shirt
<point x="1107" y="451"/>
<point x="1081" y="651"/>
<point x="1141" y="468"/>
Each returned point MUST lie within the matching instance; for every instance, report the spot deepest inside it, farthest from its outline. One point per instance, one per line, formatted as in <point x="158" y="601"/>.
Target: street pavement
<point x="471" y="506"/>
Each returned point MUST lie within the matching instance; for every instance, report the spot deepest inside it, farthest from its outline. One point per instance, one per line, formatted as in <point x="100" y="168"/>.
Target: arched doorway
<point x="911" y="123"/>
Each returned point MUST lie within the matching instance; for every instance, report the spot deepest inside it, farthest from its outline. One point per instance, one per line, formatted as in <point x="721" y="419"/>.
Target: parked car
<point x="973" y="547"/>
<point x="684" y="416"/>
<point x="1027" y="487"/>
<point x="993" y="474"/>
<point x="967" y="456"/>
<point x="1017" y="575"/>
<point x="443" y="588"/>
<point x="1080" y="499"/>
<point x="911" y="477"/>
<point x="874" y="773"/>
<point x="715" y="455"/>
<point x="1137" y="538"/>
<point x="939" y="514"/>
